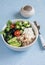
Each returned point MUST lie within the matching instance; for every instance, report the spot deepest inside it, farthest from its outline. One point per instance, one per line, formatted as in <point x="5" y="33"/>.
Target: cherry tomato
<point x="12" y="26"/>
<point x="17" y="33"/>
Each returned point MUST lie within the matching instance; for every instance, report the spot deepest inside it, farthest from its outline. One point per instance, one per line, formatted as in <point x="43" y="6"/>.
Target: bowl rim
<point x="23" y="46"/>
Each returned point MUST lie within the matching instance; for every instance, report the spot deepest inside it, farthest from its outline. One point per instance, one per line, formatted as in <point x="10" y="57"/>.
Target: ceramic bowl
<point x="25" y="47"/>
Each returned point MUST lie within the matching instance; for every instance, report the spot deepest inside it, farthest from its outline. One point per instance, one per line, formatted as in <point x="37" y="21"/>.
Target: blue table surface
<point x="9" y="9"/>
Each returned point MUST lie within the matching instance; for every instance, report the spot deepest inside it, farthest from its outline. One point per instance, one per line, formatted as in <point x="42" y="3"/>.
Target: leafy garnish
<point x="2" y="32"/>
<point x="9" y="22"/>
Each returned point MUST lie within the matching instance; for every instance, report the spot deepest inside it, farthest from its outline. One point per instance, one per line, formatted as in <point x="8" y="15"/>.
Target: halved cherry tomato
<point x="12" y="26"/>
<point x="17" y="33"/>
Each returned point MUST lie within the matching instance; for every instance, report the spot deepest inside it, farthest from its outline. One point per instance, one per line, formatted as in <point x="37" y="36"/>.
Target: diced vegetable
<point x="25" y="22"/>
<point x="17" y="26"/>
<point x="22" y="28"/>
<point x="9" y="36"/>
<point x="13" y="39"/>
<point x="17" y="33"/>
<point x="28" y="25"/>
<point x="12" y="26"/>
<point x="14" y="42"/>
<point x="18" y="23"/>
<point x="7" y="29"/>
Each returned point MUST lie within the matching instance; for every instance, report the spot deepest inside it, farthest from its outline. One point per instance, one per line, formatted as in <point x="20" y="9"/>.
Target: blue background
<point x="9" y="9"/>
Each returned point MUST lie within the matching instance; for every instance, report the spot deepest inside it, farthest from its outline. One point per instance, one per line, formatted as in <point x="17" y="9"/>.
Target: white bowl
<point x="25" y="47"/>
<point x="27" y="14"/>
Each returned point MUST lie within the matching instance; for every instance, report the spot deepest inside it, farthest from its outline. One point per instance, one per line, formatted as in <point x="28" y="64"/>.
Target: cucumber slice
<point x="26" y="22"/>
<point x="17" y="26"/>
<point x="7" y="29"/>
<point x="14" y="42"/>
<point x="13" y="39"/>
<point x="22" y="28"/>
<point x="28" y="25"/>
<point x="18" y="23"/>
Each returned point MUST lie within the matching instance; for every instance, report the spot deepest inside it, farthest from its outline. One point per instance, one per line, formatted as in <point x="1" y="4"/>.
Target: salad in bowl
<point x="19" y="34"/>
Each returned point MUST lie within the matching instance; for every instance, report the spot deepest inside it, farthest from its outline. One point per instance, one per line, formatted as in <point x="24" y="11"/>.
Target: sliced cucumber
<point x="26" y="22"/>
<point x="20" y="23"/>
<point x="17" y="26"/>
<point x="14" y="42"/>
<point x="17" y="23"/>
<point x="7" y="29"/>
<point x="28" y="25"/>
<point x="22" y="28"/>
<point x="13" y="39"/>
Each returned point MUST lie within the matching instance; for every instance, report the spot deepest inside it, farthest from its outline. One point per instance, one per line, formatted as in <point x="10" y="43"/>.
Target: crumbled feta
<point x="29" y="33"/>
<point x="27" y="37"/>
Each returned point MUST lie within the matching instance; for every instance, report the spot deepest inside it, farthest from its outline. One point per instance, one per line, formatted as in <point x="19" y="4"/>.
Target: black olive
<point x="12" y="31"/>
